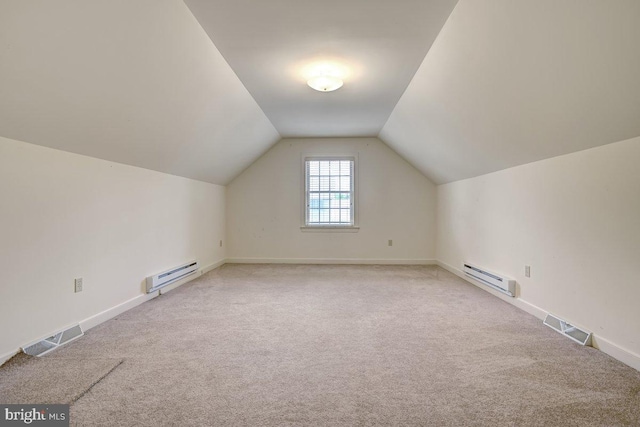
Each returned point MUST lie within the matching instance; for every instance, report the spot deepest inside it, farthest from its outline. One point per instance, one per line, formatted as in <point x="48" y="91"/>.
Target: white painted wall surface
<point x="264" y="207"/>
<point x="64" y="216"/>
<point x="575" y="219"/>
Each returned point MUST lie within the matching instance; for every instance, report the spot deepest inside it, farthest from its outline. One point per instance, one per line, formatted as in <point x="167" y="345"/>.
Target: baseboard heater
<point x="568" y="330"/>
<point x="165" y="278"/>
<point x="44" y="346"/>
<point x="494" y="280"/>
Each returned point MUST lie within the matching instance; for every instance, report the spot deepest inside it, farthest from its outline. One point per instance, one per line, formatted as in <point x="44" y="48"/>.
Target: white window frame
<point x="306" y="226"/>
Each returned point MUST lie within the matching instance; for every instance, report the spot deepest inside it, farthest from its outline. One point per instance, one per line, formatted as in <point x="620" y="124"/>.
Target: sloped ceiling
<point x="505" y="82"/>
<point x="509" y="82"/>
<point x="136" y="82"/>
<point x="268" y="44"/>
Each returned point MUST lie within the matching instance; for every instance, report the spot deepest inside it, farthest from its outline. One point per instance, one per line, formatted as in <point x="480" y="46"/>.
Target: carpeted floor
<point x="280" y="345"/>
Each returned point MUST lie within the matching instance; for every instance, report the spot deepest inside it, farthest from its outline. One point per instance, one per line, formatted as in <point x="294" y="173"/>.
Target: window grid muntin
<point x="324" y="179"/>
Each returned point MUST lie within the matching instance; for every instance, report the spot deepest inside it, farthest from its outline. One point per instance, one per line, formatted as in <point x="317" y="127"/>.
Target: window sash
<point x="326" y="192"/>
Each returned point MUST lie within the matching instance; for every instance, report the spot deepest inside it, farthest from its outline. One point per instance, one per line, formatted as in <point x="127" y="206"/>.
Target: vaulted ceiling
<point x="509" y="82"/>
<point x="202" y="89"/>
<point x="135" y="82"/>
<point x="269" y="43"/>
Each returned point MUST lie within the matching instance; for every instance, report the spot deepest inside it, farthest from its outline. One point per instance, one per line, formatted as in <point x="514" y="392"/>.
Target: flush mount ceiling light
<point x="325" y="83"/>
<point x="325" y="76"/>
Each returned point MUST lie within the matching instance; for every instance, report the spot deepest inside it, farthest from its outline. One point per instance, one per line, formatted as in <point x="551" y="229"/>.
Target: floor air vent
<point x="561" y="326"/>
<point x="42" y="347"/>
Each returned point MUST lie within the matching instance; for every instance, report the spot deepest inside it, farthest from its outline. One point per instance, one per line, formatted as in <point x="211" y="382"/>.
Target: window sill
<point x="329" y="229"/>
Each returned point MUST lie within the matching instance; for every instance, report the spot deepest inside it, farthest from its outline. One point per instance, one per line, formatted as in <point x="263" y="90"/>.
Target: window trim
<point x="335" y="228"/>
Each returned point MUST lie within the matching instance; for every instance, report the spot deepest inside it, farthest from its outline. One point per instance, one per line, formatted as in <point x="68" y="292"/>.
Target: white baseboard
<point x="614" y="350"/>
<point x="213" y="266"/>
<point x="351" y="261"/>
<point x="187" y="279"/>
<point x="518" y="302"/>
<point x="112" y="312"/>
<point x="617" y="352"/>
<point x="128" y="305"/>
<point x="7" y="356"/>
<point x="622" y="354"/>
<point x="94" y="320"/>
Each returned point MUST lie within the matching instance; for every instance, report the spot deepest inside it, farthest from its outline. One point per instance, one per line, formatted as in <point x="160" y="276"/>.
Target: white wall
<point x="264" y="207"/>
<point x="575" y="219"/>
<point x="64" y="216"/>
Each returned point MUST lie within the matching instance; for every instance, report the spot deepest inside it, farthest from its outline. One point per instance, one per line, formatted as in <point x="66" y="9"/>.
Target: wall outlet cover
<point x="78" y="285"/>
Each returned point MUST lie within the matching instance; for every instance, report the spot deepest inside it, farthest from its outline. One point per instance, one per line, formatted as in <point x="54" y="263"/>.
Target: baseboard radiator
<point x="44" y="346"/>
<point x="167" y="277"/>
<point x="494" y="280"/>
<point x="568" y="330"/>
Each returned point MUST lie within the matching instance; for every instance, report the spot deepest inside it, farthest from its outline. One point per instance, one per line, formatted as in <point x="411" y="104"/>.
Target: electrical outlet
<point x="527" y="271"/>
<point x="220" y="243"/>
<point x="78" y="285"/>
<point x="390" y="242"/>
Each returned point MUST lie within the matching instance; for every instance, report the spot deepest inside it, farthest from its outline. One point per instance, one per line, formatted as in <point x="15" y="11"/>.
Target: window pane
<point x="335" y="215"/>
<point x="314" y="183"/>
<point x="334" y="183"/>
<point x="324" y="183"/>
<point x="345" y="215"/>
<point x="324" y="167"/>
<point x="314" y="215"/>
<point x="335" y="201"/>
<point x="324" y="215"/>
<point x="314" y="201"/>
<point x="345" y="167"/>
<point x="345" y="200"/>
<point x="335" y="167"/>
<point x="324" y="200"/>
<point x="345" y="183"/>
<point x="314" y="168"/>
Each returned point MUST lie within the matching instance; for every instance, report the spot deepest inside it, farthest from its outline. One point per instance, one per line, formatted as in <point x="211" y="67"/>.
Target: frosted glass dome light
<point x="325" y="83"/>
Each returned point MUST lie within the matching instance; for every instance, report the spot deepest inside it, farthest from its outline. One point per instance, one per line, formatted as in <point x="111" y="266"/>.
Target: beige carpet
<point x="251" y="345"/>
<point x="27" y="379"/>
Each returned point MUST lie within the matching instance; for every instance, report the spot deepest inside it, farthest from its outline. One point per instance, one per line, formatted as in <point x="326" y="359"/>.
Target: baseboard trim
<point x="614" y="350"/>
<point x="213" y="266"/>
<point x="350" y="261"/>
<point x="7" y="356"/>
<point x="96" y="319"/>
<point x="187" y="279"/>
<point x="606" y="346"/>
<point x="110" y="313"/>
<point x="518" y="302"/>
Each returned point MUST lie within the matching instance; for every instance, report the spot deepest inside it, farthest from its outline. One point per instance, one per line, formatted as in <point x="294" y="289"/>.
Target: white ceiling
<point x="509" y="82"/>
<point x="136" y="82"/>
<point x="266" y="42"/>
<point x="506" y="82"/>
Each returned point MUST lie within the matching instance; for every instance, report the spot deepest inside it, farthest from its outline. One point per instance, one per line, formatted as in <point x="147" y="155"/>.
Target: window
<point x="329" y="192"/>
